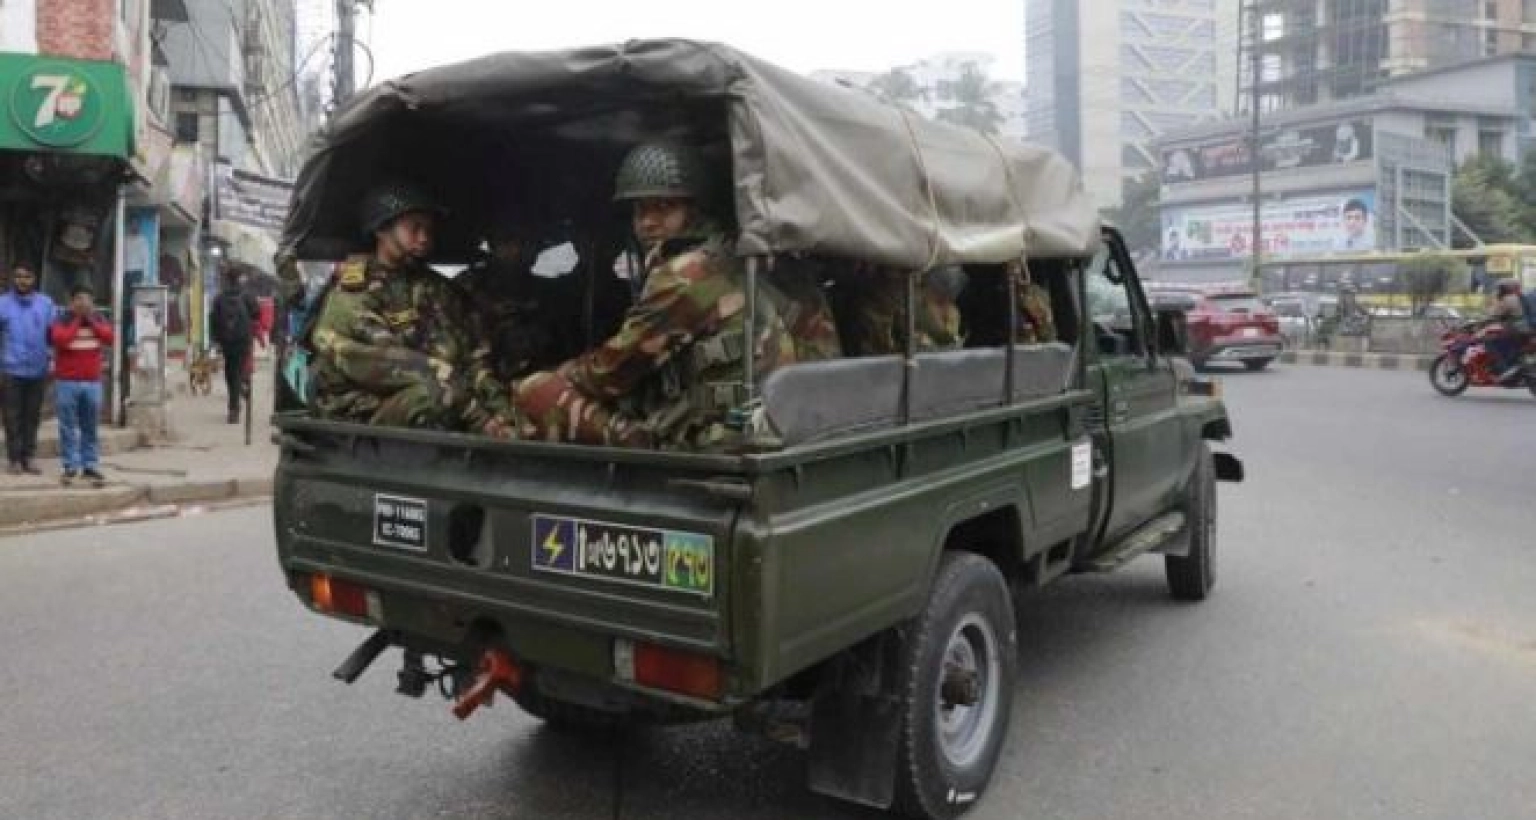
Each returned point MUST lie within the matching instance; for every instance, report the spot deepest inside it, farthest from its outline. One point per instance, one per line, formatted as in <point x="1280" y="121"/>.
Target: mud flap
<point x="1228" y="467"/>
<point x="856" y="725"/>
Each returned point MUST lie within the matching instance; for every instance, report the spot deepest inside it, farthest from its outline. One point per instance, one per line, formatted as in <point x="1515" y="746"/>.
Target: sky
<point x="802" y="35"/>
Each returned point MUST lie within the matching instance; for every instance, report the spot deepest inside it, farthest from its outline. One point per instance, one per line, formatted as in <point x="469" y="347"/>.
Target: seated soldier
<point x="393" y="343"/>
<point x="806" y="311"/>
<point x="673" y="373"/>
<point x="876" y="298"/>
<point x="1036" y="325"/>
<point x="518" y="313"/>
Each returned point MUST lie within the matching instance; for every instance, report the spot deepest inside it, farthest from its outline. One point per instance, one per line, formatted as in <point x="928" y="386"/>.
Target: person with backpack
<point x="232" y="322"/>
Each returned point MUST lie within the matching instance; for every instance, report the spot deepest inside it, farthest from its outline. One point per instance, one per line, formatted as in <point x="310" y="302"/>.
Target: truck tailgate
<point x="456" y="531"/>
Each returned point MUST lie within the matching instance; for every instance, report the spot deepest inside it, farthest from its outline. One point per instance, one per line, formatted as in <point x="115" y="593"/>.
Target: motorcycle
<point x="1465" y="361"/>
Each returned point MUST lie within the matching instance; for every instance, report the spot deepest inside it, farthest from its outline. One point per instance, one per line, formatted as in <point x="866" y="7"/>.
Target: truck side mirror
<point x="1172" y="332"/>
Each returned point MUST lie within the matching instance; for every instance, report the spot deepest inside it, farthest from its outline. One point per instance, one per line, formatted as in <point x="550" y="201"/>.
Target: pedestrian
<point x="78" y="341"/>
<point x="24" y="318"/>
<point x="233" y="322"/>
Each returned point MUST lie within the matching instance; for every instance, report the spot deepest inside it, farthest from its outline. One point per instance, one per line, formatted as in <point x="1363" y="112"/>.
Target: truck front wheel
<point x="959" y="667"/>
<point x="1190" y="577"/>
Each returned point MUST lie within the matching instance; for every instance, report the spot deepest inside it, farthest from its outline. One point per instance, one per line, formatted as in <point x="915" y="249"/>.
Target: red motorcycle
<point x="1465" y="361"/>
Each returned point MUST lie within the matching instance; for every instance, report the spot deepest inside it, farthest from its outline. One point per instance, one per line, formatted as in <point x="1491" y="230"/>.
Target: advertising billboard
<point x="1330" y="223"/>
<point x="1310" y="147"/>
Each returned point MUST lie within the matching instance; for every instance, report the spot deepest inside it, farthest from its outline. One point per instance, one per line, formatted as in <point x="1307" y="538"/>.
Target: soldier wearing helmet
<point x="673" y="373"/>
<point x="395" y="343"/>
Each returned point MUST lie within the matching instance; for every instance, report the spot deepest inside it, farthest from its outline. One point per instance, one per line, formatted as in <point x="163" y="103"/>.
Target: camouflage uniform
<point x="805" y="311"/>
<point x="673" y="373"/>
<point x="519" y="327"/>
<point x="397" y="347"/>
<point x="1036" y="324"/>
<point x="879" y="317"/>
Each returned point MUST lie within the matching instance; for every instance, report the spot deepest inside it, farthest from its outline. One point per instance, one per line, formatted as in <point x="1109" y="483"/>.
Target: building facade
<point x="1390" y="155"/>
<point x="1106" y="79"/>
<point x="1317" y="51"/>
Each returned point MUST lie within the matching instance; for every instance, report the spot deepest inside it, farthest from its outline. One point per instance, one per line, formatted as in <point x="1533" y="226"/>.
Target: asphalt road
<point x="1369" y="652"/>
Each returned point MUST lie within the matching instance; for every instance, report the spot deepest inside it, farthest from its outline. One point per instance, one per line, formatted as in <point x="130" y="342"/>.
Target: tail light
<point x="672" y="670"/>
<point x="337" y="597"/>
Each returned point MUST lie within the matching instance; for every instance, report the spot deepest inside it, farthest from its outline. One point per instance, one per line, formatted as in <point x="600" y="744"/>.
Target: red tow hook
<point x="497" y="672"/>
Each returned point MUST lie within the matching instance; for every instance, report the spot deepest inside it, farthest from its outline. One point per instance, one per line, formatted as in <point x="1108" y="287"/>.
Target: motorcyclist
<point x="1508" y="312"/>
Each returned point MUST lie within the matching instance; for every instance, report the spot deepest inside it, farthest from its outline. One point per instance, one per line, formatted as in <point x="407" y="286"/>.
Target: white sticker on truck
<point x="1082" y="465"/>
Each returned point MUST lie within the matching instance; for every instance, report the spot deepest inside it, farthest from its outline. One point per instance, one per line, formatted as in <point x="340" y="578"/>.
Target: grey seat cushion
<point x="821" y="400"/>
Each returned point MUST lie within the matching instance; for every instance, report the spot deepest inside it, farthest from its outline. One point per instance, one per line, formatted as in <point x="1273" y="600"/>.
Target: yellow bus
<point x="1375" y="274"/>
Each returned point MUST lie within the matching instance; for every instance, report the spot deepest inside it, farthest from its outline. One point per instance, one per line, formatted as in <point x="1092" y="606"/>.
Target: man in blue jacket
<point x="25" y="316"/>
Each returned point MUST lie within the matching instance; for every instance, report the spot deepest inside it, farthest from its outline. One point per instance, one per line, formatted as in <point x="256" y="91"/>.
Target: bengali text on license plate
<point x="664" y="559"/>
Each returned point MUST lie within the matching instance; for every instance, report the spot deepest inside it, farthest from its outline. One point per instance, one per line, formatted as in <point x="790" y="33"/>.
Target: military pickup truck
<point x="845" y="578"/>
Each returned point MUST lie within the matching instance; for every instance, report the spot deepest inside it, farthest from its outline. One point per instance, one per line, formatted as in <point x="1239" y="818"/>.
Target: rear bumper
<point x="1243" y="348"/>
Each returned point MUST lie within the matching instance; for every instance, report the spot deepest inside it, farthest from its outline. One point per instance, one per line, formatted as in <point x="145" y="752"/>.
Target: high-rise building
<point x="1317" y="51"/>
<point x="1105" y="79"/>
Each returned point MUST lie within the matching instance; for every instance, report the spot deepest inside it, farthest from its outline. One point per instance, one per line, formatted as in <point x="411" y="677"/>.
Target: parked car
<point x="1226" y="323"/>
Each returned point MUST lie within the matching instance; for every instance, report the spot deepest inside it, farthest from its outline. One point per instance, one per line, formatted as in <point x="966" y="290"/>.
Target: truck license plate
<point x="1250" y="331"/>
<point x="400" y="522"/>
<point x="662" y="559"/>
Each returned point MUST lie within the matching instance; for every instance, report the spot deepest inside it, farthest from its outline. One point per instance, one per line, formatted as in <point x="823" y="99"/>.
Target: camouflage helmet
<point x="660" y="169"/>
<point x="385" y="202"/>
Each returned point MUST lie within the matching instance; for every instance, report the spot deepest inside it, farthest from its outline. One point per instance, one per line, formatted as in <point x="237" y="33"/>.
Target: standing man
<point x="394" y="343"/>
<point x="673" y="375"/>
<point x="24" y="318"/>
<point x="78" y="341"/>
<point x="232" y="320"/>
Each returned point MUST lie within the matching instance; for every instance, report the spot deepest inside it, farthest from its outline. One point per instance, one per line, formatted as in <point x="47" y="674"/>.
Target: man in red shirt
<point x="78" y="341"/>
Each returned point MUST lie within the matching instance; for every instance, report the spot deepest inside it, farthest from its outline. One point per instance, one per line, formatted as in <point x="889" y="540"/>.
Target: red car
<point x="1225" y="323"/>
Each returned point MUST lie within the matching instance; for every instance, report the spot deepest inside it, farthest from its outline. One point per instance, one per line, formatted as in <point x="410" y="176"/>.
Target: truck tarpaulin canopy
<point x="814" y="167"/>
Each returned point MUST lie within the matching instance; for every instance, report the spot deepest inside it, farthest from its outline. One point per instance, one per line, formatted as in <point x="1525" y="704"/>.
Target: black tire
<point x="1530" y="383"/>
<point x="1256" y="364"/>
<point x="1190" y="577"/>
<point x="947" y="755"/>
<point x="1447" y="377"/>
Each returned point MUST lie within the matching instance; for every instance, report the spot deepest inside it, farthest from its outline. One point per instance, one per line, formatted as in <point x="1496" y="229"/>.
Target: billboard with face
<point x="1331" y="223"/>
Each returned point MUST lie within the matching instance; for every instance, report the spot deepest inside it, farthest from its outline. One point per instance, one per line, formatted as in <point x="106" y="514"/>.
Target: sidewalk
<point x="207" y="464"/>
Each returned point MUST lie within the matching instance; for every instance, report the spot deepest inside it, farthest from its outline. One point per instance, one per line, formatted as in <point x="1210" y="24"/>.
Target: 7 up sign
<point x="57" y="105"/>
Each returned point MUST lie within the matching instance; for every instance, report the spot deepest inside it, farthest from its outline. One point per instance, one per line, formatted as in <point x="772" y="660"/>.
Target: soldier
<point x="517" y="311"/>
<point x="806" y="311"/>
<point x="673" y="373"/>
<point x="878" y="316"/>
<point x="394" y="343"/>
<point x="1036" y="324"/>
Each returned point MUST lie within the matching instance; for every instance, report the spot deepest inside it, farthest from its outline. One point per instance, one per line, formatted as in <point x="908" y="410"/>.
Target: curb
<point x="1372" y="361"/>
<point x="57" y="508"/>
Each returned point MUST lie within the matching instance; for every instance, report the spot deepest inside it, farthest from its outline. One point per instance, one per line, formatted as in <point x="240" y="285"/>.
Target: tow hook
<point x="497" y="672"/>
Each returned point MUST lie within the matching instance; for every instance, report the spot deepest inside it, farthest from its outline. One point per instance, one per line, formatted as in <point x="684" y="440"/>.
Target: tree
<point x="1137" y="216"/>
<point x="896" y="86"/>
<point x="1486" y="195"/>
<point x="973" y="106"/>
<point x="1426" y="277"/>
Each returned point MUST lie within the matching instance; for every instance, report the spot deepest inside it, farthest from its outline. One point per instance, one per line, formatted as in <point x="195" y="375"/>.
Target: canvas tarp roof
<point x="814" y="167"/>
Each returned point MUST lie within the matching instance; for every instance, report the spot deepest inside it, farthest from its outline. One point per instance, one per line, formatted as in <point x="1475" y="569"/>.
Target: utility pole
<point x="1256" y="64"/>
<point x="346" y="32"/>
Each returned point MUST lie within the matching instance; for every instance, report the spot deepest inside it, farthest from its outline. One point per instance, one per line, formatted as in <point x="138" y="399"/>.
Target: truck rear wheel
<point x="960" y="664"/>
<point x="1190" y="577"/>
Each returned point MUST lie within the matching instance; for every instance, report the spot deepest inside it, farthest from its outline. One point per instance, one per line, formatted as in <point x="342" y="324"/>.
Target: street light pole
<point x="1254" y="157"/>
